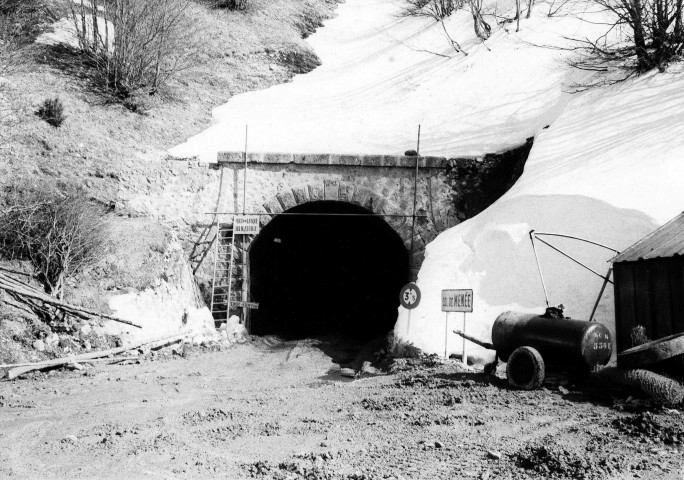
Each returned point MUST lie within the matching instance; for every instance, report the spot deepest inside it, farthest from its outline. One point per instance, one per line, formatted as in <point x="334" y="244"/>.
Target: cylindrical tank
<point x="558" y="340"/>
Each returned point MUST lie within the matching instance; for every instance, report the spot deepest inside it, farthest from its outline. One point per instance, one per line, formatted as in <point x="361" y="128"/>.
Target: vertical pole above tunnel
<point x="245" y="277"/>
<point x="415" y="202"/>
<point x="413" y="224"/>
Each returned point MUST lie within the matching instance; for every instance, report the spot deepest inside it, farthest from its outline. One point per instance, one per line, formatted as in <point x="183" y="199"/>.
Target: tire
<point x="525" y="369"/>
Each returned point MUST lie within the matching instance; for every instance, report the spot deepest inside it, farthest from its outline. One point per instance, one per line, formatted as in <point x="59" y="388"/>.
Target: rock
<point x="563" y="390"/>
<point x="52" y="340"/>
<point x="368" y="368"/>
<point x="70" y="439"/>
<point x="493" y="454"/>
<point x="324" y="444"/>
<point x="439" y="444"/>
<point x="273" y="67"/>
<point x="85" y="329"/>
<point x="348" y="372"/>
<point x="39" y="345"/>
<point x="236" y="331"/>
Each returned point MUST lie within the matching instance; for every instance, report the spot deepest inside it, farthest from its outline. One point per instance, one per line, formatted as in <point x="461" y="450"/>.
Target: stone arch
<point x="374" y="199"/>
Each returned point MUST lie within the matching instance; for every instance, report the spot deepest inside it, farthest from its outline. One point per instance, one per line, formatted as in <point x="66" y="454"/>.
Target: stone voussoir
<point x="287" y="200"/>
<point x="301" y="194"/>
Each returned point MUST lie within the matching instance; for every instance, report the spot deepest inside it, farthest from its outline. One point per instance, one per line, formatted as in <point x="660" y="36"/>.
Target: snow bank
<point x="608" y="169"/>
<point x="383" y="74"/>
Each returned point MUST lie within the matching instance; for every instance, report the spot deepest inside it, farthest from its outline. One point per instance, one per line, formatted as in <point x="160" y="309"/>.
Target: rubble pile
<point x="650" y="429"/>
<point x="553" y="461"/>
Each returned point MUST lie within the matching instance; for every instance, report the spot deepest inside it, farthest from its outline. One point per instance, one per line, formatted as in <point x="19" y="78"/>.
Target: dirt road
<point x="274" y="409"/>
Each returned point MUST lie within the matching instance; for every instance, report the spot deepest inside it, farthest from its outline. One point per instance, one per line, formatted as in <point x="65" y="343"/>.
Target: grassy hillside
<point x="239" y="51"/>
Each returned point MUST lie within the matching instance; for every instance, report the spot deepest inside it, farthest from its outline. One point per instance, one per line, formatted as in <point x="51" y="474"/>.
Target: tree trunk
<point x="644" y="60"/>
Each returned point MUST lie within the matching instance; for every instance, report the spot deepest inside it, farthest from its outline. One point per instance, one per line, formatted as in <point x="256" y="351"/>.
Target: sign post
<point x="244" y="225"/>
<point x="456" y="300"/>
<point x="409" y="297"/>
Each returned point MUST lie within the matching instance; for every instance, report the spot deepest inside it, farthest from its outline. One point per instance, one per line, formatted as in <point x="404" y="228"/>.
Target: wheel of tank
<point x="525" y="369"/>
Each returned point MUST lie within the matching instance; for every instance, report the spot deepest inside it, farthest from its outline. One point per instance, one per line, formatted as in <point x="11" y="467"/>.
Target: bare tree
<point x="439" y="10"/>
<point x="653" y="32"/>
<point x="135" y="44"/>
<point x="59" y="234"/>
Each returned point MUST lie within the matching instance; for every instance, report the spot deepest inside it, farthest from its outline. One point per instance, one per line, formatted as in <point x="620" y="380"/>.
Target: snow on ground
<point x="378" y="81"/>
<point x="608" y="168"/>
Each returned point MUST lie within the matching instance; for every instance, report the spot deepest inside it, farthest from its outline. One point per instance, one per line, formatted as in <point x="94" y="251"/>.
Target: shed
<point x="649" y="285"/>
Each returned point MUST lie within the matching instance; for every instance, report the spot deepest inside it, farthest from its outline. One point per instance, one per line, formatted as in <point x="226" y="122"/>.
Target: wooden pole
<point x="64" y="306"/>
<point x="15" y="372"/>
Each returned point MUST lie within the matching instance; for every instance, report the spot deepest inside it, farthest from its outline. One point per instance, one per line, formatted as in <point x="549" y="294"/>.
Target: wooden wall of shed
<point x="649" y="293"/>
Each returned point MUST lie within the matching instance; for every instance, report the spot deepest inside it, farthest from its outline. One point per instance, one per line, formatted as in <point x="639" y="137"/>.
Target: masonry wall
<point x="185" y="192"/>
<point x="381" y="184"/>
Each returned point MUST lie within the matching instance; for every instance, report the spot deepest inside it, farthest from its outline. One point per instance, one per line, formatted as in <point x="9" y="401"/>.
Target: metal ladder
<point x="221" y="291"/>
<point x="228" y="278"/>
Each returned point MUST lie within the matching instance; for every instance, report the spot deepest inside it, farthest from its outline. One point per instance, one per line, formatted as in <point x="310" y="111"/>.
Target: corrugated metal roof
<point x="666" y="241"/>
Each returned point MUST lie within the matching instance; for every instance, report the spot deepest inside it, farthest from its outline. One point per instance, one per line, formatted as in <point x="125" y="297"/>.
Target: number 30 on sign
<point x="410" y="296"/>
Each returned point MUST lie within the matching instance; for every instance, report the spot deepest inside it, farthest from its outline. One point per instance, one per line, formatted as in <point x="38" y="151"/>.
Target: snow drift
<point x="609" y="169"/>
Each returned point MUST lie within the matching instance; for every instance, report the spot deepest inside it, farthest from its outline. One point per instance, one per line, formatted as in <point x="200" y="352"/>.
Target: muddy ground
<point x="272" y="409"/>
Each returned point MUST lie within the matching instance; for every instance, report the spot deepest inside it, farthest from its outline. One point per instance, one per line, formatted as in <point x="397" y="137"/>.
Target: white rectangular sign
<point x="246" y="225"/>
<point x="460" y="300"/>
<point x="239" y="303"/>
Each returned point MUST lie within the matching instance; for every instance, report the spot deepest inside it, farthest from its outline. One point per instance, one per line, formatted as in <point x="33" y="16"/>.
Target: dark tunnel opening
<point x="316" y="275"/>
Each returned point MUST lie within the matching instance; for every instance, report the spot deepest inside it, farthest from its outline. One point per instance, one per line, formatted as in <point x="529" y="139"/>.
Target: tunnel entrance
<point x="317" y="273"/>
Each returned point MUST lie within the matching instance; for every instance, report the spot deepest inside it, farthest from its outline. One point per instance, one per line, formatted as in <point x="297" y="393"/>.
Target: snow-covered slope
<point x="383" y="74"/>
<point x="610" y="169"/>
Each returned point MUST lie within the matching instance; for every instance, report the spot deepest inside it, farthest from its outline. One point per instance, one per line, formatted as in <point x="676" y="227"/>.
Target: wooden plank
<point x="625" y="314"/>
<point x="660" y="286"/>
<point x="15" y="372"/>
<point x="676" y="268"/>
<point x="642" y="298"/>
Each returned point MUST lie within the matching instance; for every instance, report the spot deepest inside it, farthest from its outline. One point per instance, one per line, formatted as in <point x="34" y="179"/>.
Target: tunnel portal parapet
<point x="382" y="184"/>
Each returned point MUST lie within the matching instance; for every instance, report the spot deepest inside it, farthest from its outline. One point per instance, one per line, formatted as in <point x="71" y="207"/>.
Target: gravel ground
<point x="272" y="409"/>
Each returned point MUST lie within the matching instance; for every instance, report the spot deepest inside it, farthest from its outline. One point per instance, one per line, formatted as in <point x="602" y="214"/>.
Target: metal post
<point x="242" y="249"/>
<point x="446" y="334"/>
<point x="216" y="254"/>
<point x="464" y="357"/>
<point x="603" y="287"/>
<point x="413" y="222"/>
<point x="415" y="202"/>
<point x="244" y="183"/>
<point x="546" y="296"/>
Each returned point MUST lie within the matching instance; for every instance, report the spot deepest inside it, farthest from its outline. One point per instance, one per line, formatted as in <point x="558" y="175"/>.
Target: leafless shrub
<point x="52" y="111"/>
<point x="560" y="7"/>
<point x="60" y="234"/>
<point x="232" y="4"/>
<point x="437" y="9"/>
<point x="404" y="349"/>
<point x="645" y="34"/>
<point x="482" y="28"/>
<point x="441" y="9"/>
<point x="135" y="45"/>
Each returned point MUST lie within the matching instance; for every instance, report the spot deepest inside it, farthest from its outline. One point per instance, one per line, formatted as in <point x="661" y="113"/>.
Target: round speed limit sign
<point x="410" y="296"/>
